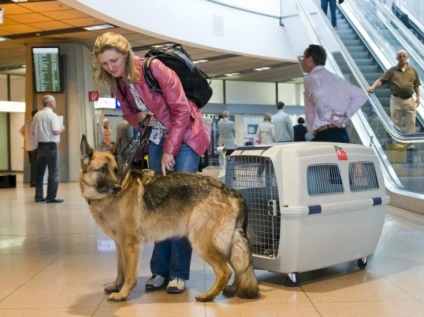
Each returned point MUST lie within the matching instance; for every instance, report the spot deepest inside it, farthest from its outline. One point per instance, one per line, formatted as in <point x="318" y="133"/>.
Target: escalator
<point x="366" y="62"/>
<point x="363" y="59"/>
<point x="357" y="57"/>
<point x="409" y="23"/>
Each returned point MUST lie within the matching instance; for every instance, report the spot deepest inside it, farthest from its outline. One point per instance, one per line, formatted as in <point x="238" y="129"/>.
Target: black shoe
<point x="55" y="200"/>
<point x="40" y="200"/>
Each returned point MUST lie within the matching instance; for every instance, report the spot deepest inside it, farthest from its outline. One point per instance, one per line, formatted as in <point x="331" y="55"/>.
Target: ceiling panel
<point x="30" y="18"/>
<point x="38" y="22"/>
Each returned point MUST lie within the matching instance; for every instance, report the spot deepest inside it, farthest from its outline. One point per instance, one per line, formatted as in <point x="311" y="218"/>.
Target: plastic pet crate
<point x="310" y="204"/>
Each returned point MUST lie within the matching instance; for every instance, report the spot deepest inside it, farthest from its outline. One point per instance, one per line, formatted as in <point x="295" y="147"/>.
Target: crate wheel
<point x="292" y="280"/>
<point x="362" y="263"/>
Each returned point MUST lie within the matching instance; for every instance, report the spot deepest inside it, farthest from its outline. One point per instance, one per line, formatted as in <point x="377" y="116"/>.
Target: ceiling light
<point x="200" y="61"/>
<point x="232" y="74"/>
<point x="4" y="38"/>
<point x="98" y="27"/>
<point x="163" y="45"/>
<point x="19" y="0"/>
<point x="261" y="69"/>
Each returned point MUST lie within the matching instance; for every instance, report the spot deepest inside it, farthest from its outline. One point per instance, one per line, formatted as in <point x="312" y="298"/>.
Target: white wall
<point x="291" y="94"/>
<point x="3" y="87"/>
<point x="199" y="22"/>
<point x="250" y="93"/>
<point x="17" y="151"/>
<point x="17" y="88"/>
<point x="218" y="91"/>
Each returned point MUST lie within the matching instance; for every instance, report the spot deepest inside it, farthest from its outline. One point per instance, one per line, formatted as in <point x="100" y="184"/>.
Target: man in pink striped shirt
<point x="329" y="100"/>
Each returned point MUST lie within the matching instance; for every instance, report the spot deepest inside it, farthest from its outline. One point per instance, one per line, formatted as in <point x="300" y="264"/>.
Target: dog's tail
<point x="245" y="283"/>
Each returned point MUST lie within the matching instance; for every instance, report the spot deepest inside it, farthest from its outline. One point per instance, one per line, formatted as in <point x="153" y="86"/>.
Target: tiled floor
<point x="54" y="261"/>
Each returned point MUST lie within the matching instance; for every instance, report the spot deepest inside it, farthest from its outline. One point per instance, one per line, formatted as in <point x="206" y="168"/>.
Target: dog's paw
<point x="112" y="288"/>
<point x="116" y="297"/>
<point x="204" y="297"/>
<point x="229" y="291"/>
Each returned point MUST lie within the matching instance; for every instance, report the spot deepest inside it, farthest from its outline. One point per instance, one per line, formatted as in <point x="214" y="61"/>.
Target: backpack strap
<point x="118" y="85"/>
<point x="148" y="76"/>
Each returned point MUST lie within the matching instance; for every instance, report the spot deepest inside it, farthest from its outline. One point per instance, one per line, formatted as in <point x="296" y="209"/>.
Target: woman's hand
<point x="167" y="162"/>
<point x="143" y="114"/>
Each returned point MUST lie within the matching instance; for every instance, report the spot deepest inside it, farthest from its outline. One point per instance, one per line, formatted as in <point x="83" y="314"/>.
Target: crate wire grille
<point x="254" y="178"/>
<point x="362" y="176"/>
<point x="324" y="179"/>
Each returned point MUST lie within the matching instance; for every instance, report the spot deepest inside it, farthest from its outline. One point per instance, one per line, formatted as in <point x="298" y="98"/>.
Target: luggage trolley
<point x="310" y="204"/>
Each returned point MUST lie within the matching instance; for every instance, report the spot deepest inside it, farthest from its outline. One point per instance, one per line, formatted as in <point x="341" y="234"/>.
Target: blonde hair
<point x="111" y="40"/>
<point x="267" y="116"/>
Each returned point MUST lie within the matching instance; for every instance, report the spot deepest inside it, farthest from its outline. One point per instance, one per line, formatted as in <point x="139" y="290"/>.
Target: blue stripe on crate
<point x="315" y="209"/>
<point x="377" y="201"/>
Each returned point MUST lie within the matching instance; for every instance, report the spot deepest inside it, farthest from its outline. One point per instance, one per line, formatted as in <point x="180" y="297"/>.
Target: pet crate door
<point x="254" y="178"/>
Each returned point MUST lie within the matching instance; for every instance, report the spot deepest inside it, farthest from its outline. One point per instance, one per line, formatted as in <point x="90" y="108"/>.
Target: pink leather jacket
<point x="180" y="115"/>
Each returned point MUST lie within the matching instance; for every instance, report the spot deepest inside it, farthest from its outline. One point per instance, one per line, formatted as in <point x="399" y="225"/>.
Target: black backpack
<point x="196" y="83"/>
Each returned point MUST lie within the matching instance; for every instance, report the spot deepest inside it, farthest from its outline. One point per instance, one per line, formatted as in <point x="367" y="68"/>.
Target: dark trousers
<point x="32" y="157"/>
<point x="338" y="135"/>
<point x="47" y="157"/>
<point x="324" y="6"/>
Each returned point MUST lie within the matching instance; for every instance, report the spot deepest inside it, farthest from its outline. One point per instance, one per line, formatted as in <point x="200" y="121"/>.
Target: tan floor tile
<point x="371" y="309"/>
<point x="412" y="285"/>
<point x="58" y="275"/>
<point x="47" y="312"/>
<point x="53" y="297"/>
<point x="54" y="261"/>
<point x="6" y="290"/>
<point x="18" y="268"/>
<point x="269" y="310"/>
<point x="151" y="311"/>
<point x="357" y="286"/>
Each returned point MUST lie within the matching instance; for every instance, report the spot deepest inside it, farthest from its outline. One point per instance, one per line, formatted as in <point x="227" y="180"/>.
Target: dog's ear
<point x="86" y="152"/>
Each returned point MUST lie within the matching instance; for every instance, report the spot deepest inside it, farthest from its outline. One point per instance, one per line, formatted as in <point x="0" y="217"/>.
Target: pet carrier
<point x="310" y="204"/>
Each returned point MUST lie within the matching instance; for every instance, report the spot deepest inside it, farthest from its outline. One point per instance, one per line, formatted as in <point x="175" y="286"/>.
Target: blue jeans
<point x="172" y="257"/>
<point x="324" y="7"/>
<point x="47" y="157"/>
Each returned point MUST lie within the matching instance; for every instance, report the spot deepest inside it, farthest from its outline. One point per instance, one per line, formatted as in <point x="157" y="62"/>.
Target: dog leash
<point x="144" y="131"/>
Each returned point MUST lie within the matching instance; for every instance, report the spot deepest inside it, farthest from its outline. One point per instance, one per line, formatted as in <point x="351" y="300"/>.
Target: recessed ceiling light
<point x="4" y="38"/>
<point x="200" y="61"/>
<point x="232" y="74"/>
<point x="261" y="69"/>
<point x="20" y="0"/>
<point x="163" y="45"/>
<point x="98" y="27"/>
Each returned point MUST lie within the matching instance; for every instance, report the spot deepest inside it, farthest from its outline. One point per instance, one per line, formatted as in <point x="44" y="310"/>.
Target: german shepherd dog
<point x="145" y="206"/>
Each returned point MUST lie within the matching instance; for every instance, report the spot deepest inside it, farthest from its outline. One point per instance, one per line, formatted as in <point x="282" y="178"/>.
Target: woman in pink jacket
<point x="177" y="141"/>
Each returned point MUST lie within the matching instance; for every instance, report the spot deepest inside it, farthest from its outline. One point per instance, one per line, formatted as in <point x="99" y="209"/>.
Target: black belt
<point x="402" y="97"/>
<point x="46" y="143"/>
